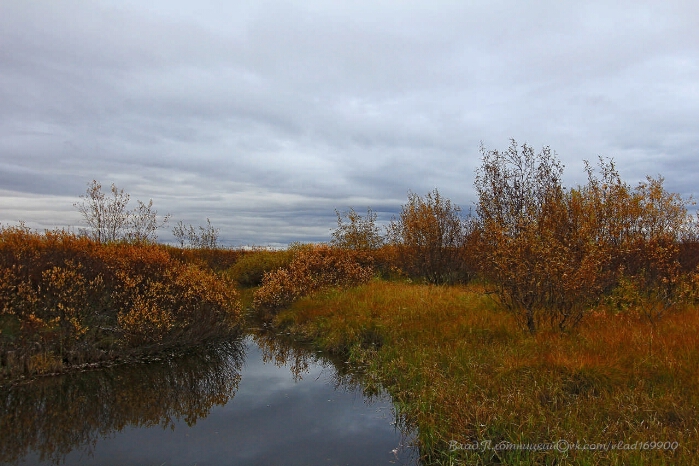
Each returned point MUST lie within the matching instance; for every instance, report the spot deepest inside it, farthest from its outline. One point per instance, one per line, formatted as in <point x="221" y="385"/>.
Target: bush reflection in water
<point x="53" y="416"/>
<point x="300" y="357"/>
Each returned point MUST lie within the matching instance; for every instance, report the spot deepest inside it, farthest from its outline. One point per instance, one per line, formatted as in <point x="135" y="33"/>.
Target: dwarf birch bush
<point x="313" y="268"/>
<point x="73" y="299"/>
<point x="552" y="253"/>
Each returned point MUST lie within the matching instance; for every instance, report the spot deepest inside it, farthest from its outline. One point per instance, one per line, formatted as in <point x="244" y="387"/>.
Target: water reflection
<point x="322" y="414"/>
<point x="261" y="400"/>
<point x="55" y="415"/>
<point x="299" y="358"/>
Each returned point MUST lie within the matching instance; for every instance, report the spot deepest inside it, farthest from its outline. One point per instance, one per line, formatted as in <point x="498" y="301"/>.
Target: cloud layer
<point x="267" y="116"/>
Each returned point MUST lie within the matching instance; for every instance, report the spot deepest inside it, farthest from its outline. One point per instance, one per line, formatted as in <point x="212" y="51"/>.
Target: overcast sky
<point x="266" y="116"/>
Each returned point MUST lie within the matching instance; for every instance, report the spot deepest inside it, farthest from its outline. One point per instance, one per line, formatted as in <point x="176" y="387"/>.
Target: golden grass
<point x="461" y="370"/>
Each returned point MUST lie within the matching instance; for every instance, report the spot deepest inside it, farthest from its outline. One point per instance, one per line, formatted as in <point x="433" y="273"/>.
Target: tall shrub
<point x="429" y="237"/>
<point x="553" y="252"/>
<point x="518" y="191"/>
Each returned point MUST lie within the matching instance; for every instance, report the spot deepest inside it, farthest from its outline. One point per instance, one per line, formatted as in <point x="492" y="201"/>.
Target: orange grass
<point x="462" y="372"/>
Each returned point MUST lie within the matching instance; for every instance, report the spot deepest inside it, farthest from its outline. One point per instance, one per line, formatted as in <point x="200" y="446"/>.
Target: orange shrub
<point x="553" y="253"/>
<point x="145" y="322"/>
<point x="77" y="300"/>
<point x="313" y="268"/>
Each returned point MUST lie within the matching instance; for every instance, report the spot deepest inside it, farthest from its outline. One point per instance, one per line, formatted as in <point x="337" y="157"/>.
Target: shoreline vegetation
<point x="555" y="326"/>
<point x="69" y="302"/>
<point x="461" y="370"/>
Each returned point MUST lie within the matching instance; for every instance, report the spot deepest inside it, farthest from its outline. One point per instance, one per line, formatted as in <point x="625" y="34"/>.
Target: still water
<point x="256" y="401"/>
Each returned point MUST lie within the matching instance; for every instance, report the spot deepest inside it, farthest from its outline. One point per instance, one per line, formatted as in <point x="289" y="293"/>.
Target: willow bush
<point x="553" y="253"/>
<point x="66" y="299"/>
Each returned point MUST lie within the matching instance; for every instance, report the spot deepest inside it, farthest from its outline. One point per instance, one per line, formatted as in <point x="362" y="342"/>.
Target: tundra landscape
<point x="550" y="325"/>
<point x="307" y="232"/>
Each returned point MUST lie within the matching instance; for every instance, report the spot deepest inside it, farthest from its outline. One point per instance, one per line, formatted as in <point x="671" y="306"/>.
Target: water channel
<point x="258" y="400"/>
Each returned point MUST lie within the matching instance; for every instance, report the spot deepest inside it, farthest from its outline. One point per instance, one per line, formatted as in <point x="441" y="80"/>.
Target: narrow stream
<point x="256" y="401"/>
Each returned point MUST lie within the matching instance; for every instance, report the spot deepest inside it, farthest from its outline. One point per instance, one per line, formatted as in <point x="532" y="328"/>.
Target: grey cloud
<point x="266" y="116"/>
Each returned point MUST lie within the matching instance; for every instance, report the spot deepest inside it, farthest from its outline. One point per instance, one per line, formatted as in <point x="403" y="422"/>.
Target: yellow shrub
<point x="145" y="322"/>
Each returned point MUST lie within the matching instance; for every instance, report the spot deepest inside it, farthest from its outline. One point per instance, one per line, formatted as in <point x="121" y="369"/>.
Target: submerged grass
<point x="482" y="391"/>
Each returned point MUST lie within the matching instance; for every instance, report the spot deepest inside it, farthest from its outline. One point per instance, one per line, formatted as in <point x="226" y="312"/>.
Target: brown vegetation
<point x="553" y="253"/>
<point x="429" y="237"/>
<point x="67" y="300"/>
<point x="314" y="267"/>
<point x="550" y="254"/>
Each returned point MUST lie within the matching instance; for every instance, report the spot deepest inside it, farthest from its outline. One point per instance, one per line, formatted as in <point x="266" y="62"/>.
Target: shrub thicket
<point x="218" y="260"/>
<point x="428" y="237"/>
<point x="250" y="269"/>
<point x="313" y="267"/>
<point x="68" y="299"/>
<point x="552" y="253"/>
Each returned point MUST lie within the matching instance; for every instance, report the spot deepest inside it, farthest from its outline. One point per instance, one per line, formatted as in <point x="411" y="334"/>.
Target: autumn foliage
<point x="548" y="252"/>
<point x="66" y="299"/>
<point x="552" y="253"/>
<point x="429" y="237"/>
<point x="314" y="267"/>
